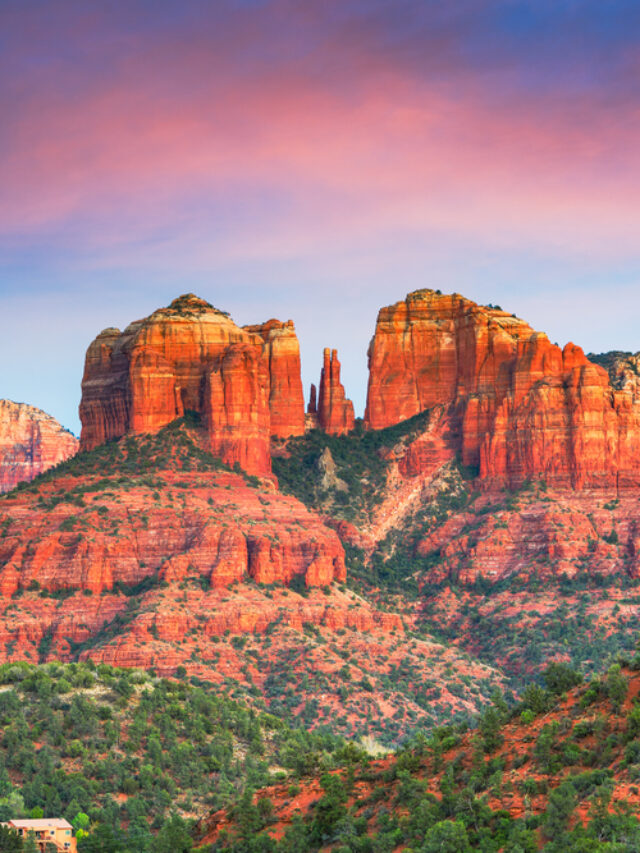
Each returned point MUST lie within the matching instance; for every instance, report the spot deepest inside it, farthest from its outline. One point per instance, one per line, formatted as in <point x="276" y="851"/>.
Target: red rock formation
<point x="198" y="530"/>
<point x="312" y="408"/>
<point x="311" y="416"/>
<point x="517" y="406"/>
<point x="190" y="356"/>
<point x="226" y="532"/>
<point x="433" y="349"/>
<point x="335" y="412"/>
<point x="542" y="535"/>
<point x="30" y="442"/>
<point x="236" y="407"/>
<point x="286" y="397"/>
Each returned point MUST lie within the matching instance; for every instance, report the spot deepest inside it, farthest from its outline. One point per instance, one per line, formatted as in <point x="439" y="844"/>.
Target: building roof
<point x="41" y="823"/>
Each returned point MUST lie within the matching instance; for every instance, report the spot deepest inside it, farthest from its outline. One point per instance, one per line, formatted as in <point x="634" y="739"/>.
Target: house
<point x="53" y="831"/>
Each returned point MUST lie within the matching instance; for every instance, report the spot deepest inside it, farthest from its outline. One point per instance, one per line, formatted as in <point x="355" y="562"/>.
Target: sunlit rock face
<point x="335" y="412"/>
<point x="244" y="382"/>
<point x="517" y="406"/>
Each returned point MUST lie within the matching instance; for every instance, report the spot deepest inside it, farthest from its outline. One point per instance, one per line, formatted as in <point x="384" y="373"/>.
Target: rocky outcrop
<point x="312" y="407"/>
<point x="328" y="469"/>
<point x="192" y="357"/>
<point x="623" y="369"/>
<point x="433" y="349"/>
<point x="567" y="426"/>
<point x="335" y="412"/>
<point x="517" y="406"/>
<point x="311" y="416"/>
<point x="30" y="442"/>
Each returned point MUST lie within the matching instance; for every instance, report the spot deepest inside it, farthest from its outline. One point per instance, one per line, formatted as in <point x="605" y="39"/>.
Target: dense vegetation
<point x="558" y="772"/>
<point x="136" y="754"/>
<point x="128" y="758"/>
<point x="360" y="466"/>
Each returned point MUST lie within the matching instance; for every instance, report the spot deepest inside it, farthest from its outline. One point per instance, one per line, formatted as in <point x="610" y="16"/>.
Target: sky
<point x="315" y="161"/>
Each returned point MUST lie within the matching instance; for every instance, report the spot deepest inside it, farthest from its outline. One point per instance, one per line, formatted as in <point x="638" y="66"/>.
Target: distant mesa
<point x="31" y="442"/>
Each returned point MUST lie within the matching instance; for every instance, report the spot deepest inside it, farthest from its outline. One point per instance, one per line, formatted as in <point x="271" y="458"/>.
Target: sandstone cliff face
<point x="517" y="406"/>
<point x="286" y="397"/>
<point x="30" y="442"/>
<point x="236" y="407"/>
<point x="335" y="412"/>
<point x="190" y="356"/>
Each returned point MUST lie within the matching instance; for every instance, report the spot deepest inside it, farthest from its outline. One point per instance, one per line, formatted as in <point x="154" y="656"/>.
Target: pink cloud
<point x="392" y="152"/>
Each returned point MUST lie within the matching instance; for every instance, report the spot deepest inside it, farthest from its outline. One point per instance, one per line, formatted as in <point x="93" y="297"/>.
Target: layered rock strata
<point x="545" y="535"/>
<point x="31" y="442"/>
<point x="225" y="532"/>
<point x="517" y="406"/>
<point x="245" y="382"/>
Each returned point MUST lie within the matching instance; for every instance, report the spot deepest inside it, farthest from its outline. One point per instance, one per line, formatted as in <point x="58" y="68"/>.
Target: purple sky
<point x="313" y="161"/>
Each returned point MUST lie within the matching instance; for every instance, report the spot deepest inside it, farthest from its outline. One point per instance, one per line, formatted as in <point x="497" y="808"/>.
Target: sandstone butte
<point x="244" y="382"/>
<point x="30" y="442"/>
<point x="333" y="412"/>
<point x="513" y="405"/>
